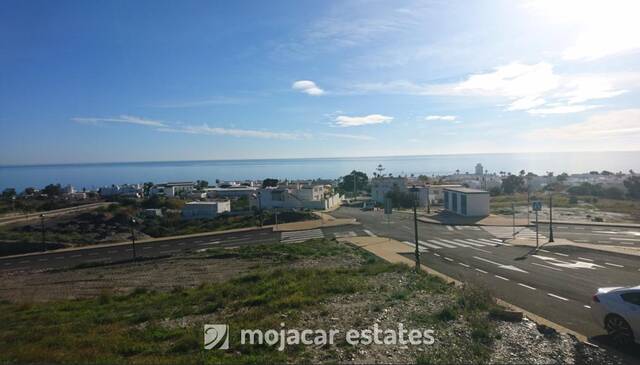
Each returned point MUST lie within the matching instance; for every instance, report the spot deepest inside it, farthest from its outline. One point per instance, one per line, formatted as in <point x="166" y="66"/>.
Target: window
<point x="446" y="200"/>
<point x="454" y="202"/>
<point x="463" y="204"/>
<point x="633" y="298"/>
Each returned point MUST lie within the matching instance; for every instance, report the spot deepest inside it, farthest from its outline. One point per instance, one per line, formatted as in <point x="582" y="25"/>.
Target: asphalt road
<point x="556" y="283"/>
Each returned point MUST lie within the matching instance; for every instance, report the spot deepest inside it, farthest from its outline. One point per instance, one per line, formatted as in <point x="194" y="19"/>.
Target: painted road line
<point x="449" y="228"/>
<point x="369" y="233"/>
<point x="545" y="266"/>
<point x="468" y="242"/>
<point x="584" y="259"/>
<point x="455" y="243"/>
<point x="443" y="244"/>
<point x="480" y="270"/>
<point x="463" y="264"/>
<point x="428" y="245"/>
<point x="437" y="254"/>
<point x="181" y="244"/>
<point x="479" y="243"/>
<point x="501" y="277"/>
<point x="543" y="250"/>
<point x="209" y="243"/>
<point x="587" y="306"/>
<point x="614" y="265"/>
<point x="624" y="239"/>
<point x="479" y="249"/>
<point x="558" y="297"/>
<point x="43" y="260"/>
<point x="527" y="286"/>
<point x="24" y="261"/>
<point x="446" y="258"/>
<point x="413" y="245"/>
<point x="560" y="254"/>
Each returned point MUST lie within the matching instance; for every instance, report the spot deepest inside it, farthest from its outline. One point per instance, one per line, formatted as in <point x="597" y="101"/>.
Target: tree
<point x="632" y="184"/>
<point x="201" y="184"/>
<point x="269" y="182"/>
<point x="8" y="193"/>
<point x="424" y="178"/>
<point x="512" y="184"/>
<point x="146" y="187"/>
<point x="400" y="199"/>
<point x="29" y="191"/>
<point x="52" y="190"/>
<point x="562" y="177"/>
<point x="606" y="173"/>
<point x="361" y="182"/>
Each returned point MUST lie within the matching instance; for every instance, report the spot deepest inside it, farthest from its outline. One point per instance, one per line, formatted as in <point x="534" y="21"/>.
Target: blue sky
<point x="87" y="81"/>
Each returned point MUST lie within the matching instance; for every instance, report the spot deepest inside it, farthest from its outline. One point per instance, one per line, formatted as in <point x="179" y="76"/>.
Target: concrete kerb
<point x="388" y="249"/>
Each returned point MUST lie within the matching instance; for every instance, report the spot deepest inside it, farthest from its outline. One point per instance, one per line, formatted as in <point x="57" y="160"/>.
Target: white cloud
<point x="307" y="87"/>
<point x="359" y="137"/>
<point x="346" y="121"/>
<point x="206" y="130"/>
<point x="191" y="129"/>
<point x="448" y="118"/>
<point x="562" y="109"/>
<point x="616" y="129"/>
<point x="127" y="119"/>
<point x="603" y="28"/>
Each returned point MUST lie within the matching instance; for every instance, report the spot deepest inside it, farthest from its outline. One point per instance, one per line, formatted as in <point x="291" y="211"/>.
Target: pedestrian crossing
<point x="300" y="236"/>
<point x="345" y="234"/>
<point x="440" y="243"/>
<point x="506" y="232"/>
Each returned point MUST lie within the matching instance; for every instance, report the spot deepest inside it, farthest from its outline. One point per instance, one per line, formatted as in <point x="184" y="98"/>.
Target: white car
<point x="617" y="310"/>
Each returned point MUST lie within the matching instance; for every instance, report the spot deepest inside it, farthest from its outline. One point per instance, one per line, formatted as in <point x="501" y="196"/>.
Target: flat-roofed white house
<point x="466" y="202"/>
<point x="205" y="210"/>
<point x="297" y="197"/>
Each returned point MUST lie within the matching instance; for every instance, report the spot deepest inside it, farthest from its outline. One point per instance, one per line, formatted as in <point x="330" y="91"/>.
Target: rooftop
<point x="467" y="190"/>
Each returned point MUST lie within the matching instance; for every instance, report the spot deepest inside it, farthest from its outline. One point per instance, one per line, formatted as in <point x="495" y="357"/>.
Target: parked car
<point x="617" y="310"/>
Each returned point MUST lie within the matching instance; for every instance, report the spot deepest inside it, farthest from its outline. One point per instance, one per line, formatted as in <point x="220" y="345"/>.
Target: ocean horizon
<point x="95" y="175"/>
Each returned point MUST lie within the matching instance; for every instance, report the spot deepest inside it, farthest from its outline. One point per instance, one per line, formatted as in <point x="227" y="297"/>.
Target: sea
<point x="95" y="175"/>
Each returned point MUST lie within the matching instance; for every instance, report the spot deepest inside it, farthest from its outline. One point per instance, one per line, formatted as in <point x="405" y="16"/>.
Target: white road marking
<point x="587" y="306"/>
<point x="558" y="297"/>
<point x="501" y="266"/>
<point x="369" y="233"/>
<point x="545" y="266"/>
<point x="463" y="264"/>
<point x="209" y="243"/>
<point x="446" y="258"/>
<point x="501" y="277"/>
<point x="437" y="254"/>
<point x="582" y="258"/>
<point x="560" y="254"/>
<point x="428" y="245"/>
<point x="482" y="271"/>
<point x="455" y="243"/>
<point x="614" y="265"/>
<point x="43" y="260"/>
<point x="449" y="228"/>
<point x="527" y="286"/>
<point x="479" y="249"/>
<point x="443" y="244"/>
<point x="543" y="250"/>
<point x="624" y="239"/>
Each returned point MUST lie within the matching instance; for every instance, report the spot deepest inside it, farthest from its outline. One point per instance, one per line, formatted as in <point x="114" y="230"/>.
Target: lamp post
<point x="428" y="200"/>
<point x="414" y="190"/>
<point x="513" y="211"/>
<point x="551" y="216"/>
<point x="44" y="244"/>
<point x="133" y="238"/>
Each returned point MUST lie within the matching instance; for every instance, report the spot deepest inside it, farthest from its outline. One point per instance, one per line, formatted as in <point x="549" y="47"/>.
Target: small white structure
<point x="230" y="192"/>
<point x="126" y="190"/>
<point x="467" y="202"/>
<point x="205" y="210"/>
<point x="380" y="186"/>
<point x="172" y="189"/>
<point x="297" y="197"/>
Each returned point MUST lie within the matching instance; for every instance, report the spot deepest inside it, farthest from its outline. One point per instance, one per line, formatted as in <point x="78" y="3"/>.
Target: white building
<point x="231" y="192"/>
<point x="436" y="192"/>
<point x="126" y="190"/>
<point x="205" y="210"/>
<point x="172" y="189"/>
<point x="479" y="169"/>
<point x="467" y="202"/>
<point x="380" y="186"/>
<point x="300" y="197"/>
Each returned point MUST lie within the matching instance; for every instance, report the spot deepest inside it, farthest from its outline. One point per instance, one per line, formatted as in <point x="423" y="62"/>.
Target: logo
<point x="216" y="336"/>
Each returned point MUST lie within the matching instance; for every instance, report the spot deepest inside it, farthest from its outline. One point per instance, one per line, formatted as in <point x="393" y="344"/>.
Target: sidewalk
<point x="325" y="221"/>
<point x="390" y="250"/>
<point x="625" y="250"/>
<point x="456" y="220"/>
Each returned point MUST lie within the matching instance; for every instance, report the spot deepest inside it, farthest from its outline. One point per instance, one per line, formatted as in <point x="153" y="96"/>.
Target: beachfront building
<point x="466" y="202"/>
<point x="126" y="190"/>
<point x="172" y="189"/>
<point x="205" y="210"/>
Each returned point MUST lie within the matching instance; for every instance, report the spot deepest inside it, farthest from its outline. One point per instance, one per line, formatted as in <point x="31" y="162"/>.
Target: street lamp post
<point x="260" y="208"/>
<point x="428" y="200"/>
<point x="44" y="244"/>
<point x="133" y="237"/>
<point x="415" y="225"/>
<point x="513" y="211"/>
<point x="551" y="216"/>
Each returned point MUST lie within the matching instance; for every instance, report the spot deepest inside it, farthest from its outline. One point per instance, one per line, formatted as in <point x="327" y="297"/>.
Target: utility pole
<point x="528" y="206"/>
<point x="536" y="230"/>
<point x="428" y="200"/>
<point x="44" y="244"/>
<point x="415" y="226"/>
<point x="513" y="211"/>
<point x="551" y="216"/>
<point x="133" y="238"/>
